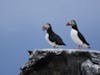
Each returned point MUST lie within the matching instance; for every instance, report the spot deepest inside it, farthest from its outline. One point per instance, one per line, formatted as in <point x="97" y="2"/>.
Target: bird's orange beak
<point x="67" y="24"/>
<point x="44" y="28"/>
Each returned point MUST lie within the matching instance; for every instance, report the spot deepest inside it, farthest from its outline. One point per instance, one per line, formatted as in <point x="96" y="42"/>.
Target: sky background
<point x="21" y="22"/>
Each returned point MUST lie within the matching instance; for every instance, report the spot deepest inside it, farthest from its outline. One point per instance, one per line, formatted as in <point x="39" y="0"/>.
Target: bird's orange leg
<point x="79" y="47"/>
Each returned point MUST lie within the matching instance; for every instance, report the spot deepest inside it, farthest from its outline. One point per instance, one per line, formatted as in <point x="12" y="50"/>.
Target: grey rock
<point x="62" y="62"/>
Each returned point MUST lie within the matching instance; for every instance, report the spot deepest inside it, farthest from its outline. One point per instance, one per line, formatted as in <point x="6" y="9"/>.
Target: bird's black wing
<point x="57" y="39"/>
<point x="82" y="38"/>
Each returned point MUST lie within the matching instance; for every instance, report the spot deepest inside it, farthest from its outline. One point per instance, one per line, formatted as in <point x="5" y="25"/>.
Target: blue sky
<point x="21" y="22"/>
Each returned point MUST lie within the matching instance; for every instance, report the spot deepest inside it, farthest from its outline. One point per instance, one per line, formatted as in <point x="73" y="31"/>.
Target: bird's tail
<point x="87" y="46"/>
<point x="64" y="44"/>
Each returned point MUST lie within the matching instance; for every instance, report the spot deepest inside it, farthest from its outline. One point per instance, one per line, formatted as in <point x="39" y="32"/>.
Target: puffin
<point x="76" y="35"/>
<point x="51" y="37"/>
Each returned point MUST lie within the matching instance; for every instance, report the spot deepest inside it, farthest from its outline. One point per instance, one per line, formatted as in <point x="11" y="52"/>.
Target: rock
<point x="89" y="68"/>
<point x="62" y="62"/>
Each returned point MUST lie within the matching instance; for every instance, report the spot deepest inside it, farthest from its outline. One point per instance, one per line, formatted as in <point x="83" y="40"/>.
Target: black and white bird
<point x="52" y="38"/>
<point x="76" y="36"/>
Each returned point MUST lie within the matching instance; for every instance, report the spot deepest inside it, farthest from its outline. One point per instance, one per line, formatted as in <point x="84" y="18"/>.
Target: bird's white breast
<point x="75" y="38"/>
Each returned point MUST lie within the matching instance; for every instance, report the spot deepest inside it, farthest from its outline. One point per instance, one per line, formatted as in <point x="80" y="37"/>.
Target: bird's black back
<point x="80" y="35"/>
<point x="82" y="38"/>
<point x="54" y="37"/>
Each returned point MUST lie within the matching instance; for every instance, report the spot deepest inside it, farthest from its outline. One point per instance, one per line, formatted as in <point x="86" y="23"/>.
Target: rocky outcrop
<point x="62" y="62"/>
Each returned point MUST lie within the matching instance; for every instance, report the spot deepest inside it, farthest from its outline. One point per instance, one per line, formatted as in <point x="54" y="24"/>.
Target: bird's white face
<point x="46" y="26"/>
<point x="71" y="23"/>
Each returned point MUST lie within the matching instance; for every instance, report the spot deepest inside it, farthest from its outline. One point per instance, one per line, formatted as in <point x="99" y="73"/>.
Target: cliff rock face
<point x="62" y="62"/>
